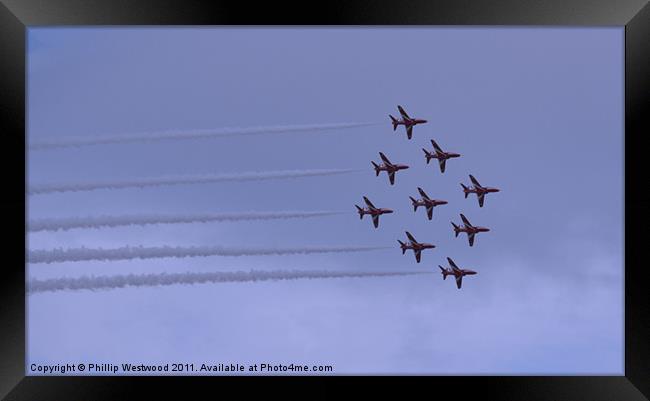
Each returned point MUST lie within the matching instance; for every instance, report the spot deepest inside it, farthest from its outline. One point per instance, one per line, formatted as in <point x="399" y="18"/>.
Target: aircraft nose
<point x="389" y="211"/>
<point x="470" y="272"/>
<point x="443" y="202"/>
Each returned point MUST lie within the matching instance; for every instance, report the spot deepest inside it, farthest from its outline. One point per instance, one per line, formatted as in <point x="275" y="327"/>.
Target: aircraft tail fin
<point x="456" y="228"/>
<point x="444" y="272"/>
<point x="427" y="155"/>
<point x="394" y="120"/>
<point x="465" y="189"/>
<point x="403" y="246"/>
<point x="415" y="203"/>
<point x="360" y="211"/>
<point x="376" y="168"/>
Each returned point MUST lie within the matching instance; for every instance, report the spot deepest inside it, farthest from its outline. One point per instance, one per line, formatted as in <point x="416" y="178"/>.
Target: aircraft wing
<point x="430" y="212"/>
<point x="403" y="112"/>
<point x="409" y="131"/>
<point x="467" y="223"/>
<point x="459" y="281"/>
<point x="370" y="205"/>
<point x="385" y="159"/>
<point x="418" y="253"/>
<point x="375" y="220"/>
<point x="470" y="237"/>
<point x="391" y="177"/>
<point x="408" y="234"/>
<point x="442" y="164"/>
<point x="481" y="198"/>
<point x="452" y="264"/>
<point x="474" y="180"/>
<point x="435" y="146"/>
<point x="424" y="195"/>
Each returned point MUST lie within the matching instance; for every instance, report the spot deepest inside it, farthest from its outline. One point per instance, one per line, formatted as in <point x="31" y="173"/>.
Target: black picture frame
<point x="17" y="15"/>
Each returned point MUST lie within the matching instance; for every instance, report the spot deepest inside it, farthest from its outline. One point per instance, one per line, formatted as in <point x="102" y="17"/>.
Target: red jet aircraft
<point x="440" y="155"/>
<point x="456" y="272"/>
<point x="372" y="211"/>
<point x="426" y="202"/>
<point x="406" y="121"/>
<point x="479" y="190"/>
<point x="388" y="167"/>
<point x="469" y="229"/>
<point x="417" y="247"/>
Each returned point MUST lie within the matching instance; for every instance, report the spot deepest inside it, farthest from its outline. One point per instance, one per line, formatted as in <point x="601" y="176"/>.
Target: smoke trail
<point x="153" y="280"/>
<point x="193" y="134"/>
<point x="141" y="220"/>
<point x="140" y="252"/>
<point x="188" y="179"/>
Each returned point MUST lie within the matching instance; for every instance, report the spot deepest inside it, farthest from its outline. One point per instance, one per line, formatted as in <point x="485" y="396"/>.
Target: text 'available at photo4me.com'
<point x="107" y="369"/>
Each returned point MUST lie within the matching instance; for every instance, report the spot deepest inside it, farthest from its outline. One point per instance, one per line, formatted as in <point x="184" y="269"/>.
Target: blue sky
<point x="537" y="112"/>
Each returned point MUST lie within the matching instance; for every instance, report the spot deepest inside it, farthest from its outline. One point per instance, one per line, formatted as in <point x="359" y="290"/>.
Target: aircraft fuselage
<point x="482" y="190"/>
<point x="433" y="202"/>
<point x="409" y="122"/>
<point x="376" y="212"/>
<point x="445" y="155"/>
<point x="467" y="272"/>
<point x="473" y="229"/>
<point x="429" y="202"/>
<point x="418" y="246"/>
<point x="393" y="167"/>
<point x="456" y="273"/>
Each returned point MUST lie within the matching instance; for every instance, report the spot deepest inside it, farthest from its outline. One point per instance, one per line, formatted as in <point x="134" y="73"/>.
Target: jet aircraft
<point x="469" y="229"/>
<point x="427" y="202"/>
<point x="478" y="189"/>
<point x="455" y="271"/>
<point x="406" y="121"/>
<point x="373" y="211"/>
<point x="417" y="247"/>
<point x="388" y="167"/>
<point x="439" y="154"/>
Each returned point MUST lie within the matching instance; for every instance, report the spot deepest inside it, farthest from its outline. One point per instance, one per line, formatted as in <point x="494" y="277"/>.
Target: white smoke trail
<point x="140" y="252"/>
<point x="188" y="179"/>
<point x="192" y="134"/>
<point x="70" y="223"/>
<point x="156" y="279"/>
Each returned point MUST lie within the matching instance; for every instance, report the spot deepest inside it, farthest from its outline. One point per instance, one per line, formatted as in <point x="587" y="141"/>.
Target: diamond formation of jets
<point x="373" y="211"/>
<point x="455" y="271"/>
<point x="469" y="229"/>
<point x="406" y="121"/>
<point x="417" y="247"/>
<point x="439" y="154"/>
<point x="388" y="167"/>
<point x="478" y="189"/>
<point x="427" y="202"/>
